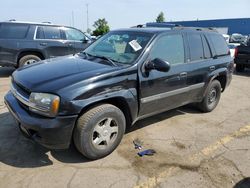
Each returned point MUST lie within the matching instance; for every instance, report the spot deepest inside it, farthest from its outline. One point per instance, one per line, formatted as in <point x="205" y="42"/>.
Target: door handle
<point x="43" y="44"/>
<point x="70" y="45"/>
<point x="212" y="68"/>
<point x="183" y="74"/>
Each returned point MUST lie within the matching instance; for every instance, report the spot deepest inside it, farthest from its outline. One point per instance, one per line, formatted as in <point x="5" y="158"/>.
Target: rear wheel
<point x="212" y="97"/>
<point x="99" y="131"/>
<point x="240" y="68"/>
<point x="28" y="59"/>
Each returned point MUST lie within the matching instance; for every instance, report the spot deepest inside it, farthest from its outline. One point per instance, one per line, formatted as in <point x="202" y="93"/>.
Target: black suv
<point x="25" y="43"/>
<point x="124" y="76"/>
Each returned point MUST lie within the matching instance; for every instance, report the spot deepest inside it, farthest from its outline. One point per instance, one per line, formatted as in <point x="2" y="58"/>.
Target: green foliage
<point x="101" y="27"/>
<point x="160" y="17"/>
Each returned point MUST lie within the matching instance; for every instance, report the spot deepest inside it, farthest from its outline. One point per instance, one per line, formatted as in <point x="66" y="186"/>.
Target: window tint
<point x="73" y="34"/>
<point x="220" y="44"/>
<point x="195" y="47"/>
<point x="40" y="33"/>
<point x="52" y="33"/>
<point x="169" y="48"/>
<point x="13" y="31"/>
<point x="207" y="52"/>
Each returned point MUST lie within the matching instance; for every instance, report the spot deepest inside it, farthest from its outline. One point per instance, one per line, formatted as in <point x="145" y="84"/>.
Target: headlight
<point x="44" y="104"/>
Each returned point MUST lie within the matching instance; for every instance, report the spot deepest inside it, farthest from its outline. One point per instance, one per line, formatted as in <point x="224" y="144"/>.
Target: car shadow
<point x="6" y="71"/>
<point x="191" y="109"/>
<point x="20" y="152"/>
<point x="244" y="183"/>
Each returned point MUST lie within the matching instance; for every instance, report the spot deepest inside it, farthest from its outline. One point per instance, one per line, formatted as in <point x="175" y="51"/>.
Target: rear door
<point x="160" y="91"/>
<point x="200" y="64"/>
<point x="51" y="40"/>
<point x="80" y="40"/>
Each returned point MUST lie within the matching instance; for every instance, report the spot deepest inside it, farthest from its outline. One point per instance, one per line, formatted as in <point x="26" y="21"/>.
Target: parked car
<point x="23" y="43"/>
<point x="237" y="38"/>
<point x="242" y="56"/>
<point x="232" y="47"/>
<point x="93" y="96"/>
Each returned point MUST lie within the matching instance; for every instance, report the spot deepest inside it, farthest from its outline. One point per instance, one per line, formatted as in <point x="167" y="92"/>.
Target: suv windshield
<point x="122" y="47"/>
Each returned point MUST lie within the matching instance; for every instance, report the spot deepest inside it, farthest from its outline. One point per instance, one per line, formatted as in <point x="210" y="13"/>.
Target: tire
<point x="212" y="97"/>
<point x="240" y="68"/>
<point x="28" y="59"/>
<point x="99" y="131"/>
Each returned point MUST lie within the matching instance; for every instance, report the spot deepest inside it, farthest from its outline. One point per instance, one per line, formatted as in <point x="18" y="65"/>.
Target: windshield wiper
<point x="111" y="61"/>
<point x="85" y="53"/>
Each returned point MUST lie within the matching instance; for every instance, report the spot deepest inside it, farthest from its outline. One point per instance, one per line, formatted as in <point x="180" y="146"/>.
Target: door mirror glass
<point x="158" y="64"/>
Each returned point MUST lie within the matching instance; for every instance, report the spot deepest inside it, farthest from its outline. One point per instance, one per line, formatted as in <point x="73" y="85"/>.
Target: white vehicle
<point x="232" y="47"/>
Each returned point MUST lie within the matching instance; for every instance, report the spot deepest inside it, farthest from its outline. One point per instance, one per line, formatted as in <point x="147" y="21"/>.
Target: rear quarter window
<point x="220" y="45"/>
<point x="13" y="31"/>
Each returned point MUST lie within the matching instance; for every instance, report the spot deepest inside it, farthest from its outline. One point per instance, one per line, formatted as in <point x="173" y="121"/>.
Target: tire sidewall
<point x="26" y="58"/>
<point x="217" y="86"/>
<point x="86" y="143"/>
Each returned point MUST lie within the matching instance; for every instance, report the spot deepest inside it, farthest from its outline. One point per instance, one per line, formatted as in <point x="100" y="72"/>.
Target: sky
<point x="120" y="13"/>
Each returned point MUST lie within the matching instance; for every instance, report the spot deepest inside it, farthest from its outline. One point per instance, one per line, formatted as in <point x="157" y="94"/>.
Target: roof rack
<point x="197" y="28"/>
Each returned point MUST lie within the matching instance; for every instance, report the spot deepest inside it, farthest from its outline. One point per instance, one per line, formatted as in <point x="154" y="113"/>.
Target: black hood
<point x="51" y="75"/>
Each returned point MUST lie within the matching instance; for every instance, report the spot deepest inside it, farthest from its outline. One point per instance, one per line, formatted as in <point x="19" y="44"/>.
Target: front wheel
<point x="99" y="131"/>
<point x="212" y="97"/>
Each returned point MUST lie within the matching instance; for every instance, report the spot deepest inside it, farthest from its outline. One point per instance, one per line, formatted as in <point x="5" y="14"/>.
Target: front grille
<point x="20" y="94"/>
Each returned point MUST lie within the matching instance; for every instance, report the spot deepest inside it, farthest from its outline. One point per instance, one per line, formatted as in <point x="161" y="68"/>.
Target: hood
<point x="54" y="74"/>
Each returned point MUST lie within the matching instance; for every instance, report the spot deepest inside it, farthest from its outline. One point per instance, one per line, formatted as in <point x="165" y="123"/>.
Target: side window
<point x="52" y="33"/>
<point x="207" y="52"/>
<point x="220" y="45"/>
<point x="40" y="33"/>
<point x="195" y="46"/>
<point x="73" y="34"/>
<point x="13" y="31"/>
<point x="169" y="48"/>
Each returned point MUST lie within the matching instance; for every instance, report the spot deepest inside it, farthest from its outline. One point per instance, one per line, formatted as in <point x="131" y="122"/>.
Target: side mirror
<point x="158" y="64"/>
<point x="86" y="41"/>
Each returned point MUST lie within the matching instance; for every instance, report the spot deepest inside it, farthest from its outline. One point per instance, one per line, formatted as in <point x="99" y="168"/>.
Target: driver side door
<point x="161" y="91"/>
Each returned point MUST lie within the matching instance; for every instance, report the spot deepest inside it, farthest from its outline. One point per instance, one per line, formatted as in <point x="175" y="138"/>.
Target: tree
<point x="160" y="17"/>
<point x="101" y="27"/>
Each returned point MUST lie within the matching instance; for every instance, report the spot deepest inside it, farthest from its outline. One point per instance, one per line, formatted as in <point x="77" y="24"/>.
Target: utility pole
<point x="87" y="5"/>
<point x="73" y="19"/>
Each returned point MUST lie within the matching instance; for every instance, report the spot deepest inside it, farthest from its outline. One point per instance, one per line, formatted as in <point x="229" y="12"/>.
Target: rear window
<point x="13" y="31"/>
<point x="220" y="45"/>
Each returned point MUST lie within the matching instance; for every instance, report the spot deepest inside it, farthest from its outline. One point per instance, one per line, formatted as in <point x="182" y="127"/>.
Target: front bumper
<point x="53" y="133"/>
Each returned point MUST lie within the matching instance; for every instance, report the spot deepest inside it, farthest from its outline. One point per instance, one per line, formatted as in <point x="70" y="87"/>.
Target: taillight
<point x="236" y="52"/>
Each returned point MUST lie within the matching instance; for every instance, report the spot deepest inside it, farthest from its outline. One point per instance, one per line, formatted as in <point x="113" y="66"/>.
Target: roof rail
<point x="197" y="28"/>
<point x="47" y="22"/>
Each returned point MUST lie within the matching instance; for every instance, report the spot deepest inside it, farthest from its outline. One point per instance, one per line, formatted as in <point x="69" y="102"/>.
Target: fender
<point x="127" y="96"/>
<point x="213" y="75"/>
<point x="29" y="50"/>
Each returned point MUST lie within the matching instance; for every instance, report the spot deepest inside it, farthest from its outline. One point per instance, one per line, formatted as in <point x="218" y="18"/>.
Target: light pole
<point x="87" y="6"/>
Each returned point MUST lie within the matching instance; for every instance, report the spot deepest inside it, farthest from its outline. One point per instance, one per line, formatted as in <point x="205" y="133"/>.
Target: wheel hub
<point x="105" y="133"/>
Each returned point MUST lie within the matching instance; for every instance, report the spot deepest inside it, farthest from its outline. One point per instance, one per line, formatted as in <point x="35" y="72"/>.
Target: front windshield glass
<point x="121" y="47"/>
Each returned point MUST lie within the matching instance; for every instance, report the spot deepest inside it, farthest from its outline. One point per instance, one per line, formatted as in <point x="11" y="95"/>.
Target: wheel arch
<point x="119" y="102"/>
<point x="30" y="52"/>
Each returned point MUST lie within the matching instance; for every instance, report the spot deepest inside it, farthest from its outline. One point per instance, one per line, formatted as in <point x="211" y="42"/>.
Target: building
<point x="224" y="26"/>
